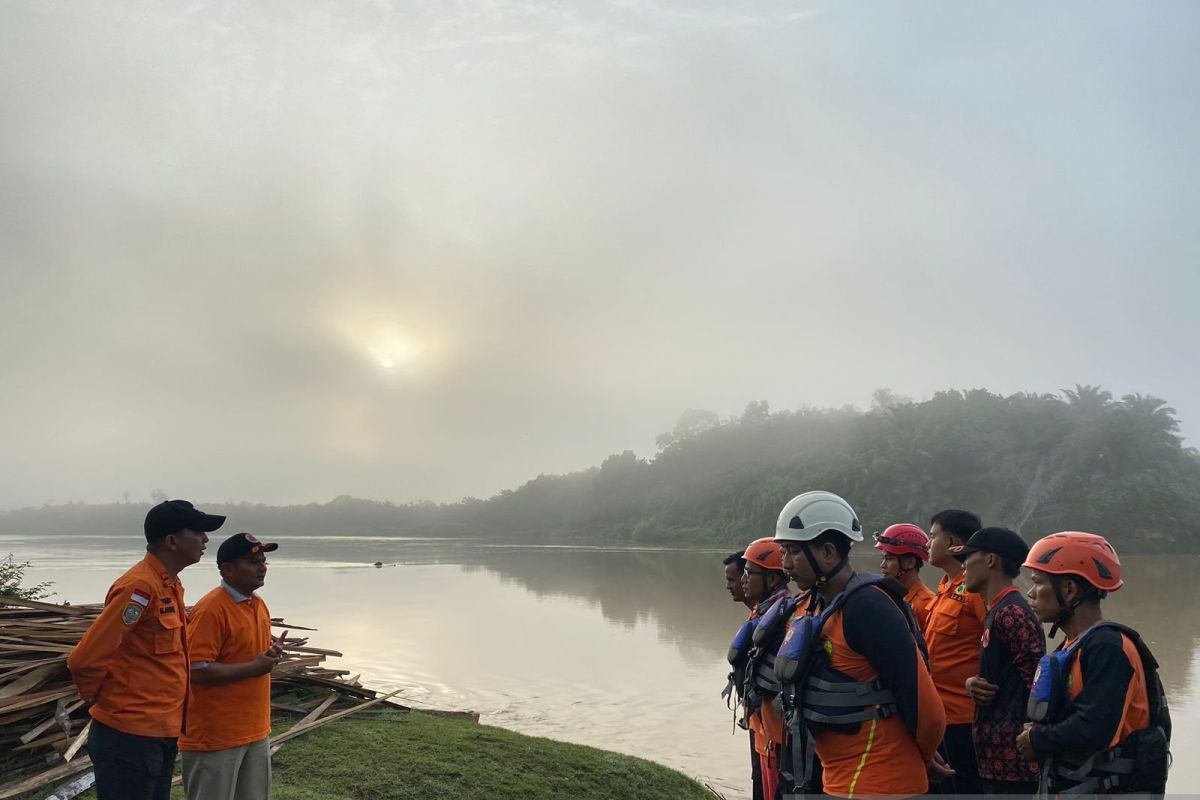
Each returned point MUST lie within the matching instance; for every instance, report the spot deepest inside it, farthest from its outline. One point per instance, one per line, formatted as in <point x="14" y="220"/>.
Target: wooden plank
<point x="78" y="743"/>
<point x="37" y="699"/>
<point x="318" y="711"/>
<point x="29" y="681"/>
<point x="276" y="622"/>
<point x="70" y="611"/>
<point x="297" y="730"/>
<point x="43" y="778"/>
<point x="74" y="788"/>
<point x="45" y="726"/>
<point x="28" y="665"/>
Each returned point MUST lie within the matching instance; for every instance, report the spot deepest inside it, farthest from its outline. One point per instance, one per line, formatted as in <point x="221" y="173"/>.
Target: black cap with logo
<point x="173" y="516"/>
<point x="1001" y="541"/>
<point x="242" y="544"/>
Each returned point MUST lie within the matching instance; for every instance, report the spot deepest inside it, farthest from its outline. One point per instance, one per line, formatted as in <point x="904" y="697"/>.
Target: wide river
<point x="619" y="648"/>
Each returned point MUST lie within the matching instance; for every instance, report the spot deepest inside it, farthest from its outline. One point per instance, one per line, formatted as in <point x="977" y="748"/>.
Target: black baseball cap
<point x="241" y="544"/>
<point x="1001" y="541"/>
<point x="173" y="516"/>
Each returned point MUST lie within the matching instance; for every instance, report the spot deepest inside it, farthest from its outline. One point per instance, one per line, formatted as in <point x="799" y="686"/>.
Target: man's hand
<point x="982" y="692"/>
<point x="1025" y="744"/>
<point x="937" y="769"/>
<point x="265" y="662"/>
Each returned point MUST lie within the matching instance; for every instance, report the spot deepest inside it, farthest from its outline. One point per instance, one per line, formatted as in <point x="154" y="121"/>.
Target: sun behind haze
<point x="426" y="250"/>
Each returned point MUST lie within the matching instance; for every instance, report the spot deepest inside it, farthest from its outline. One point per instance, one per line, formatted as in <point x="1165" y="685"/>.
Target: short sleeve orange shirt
<point x="228" y="715"/>
<point x="952" y="635"/>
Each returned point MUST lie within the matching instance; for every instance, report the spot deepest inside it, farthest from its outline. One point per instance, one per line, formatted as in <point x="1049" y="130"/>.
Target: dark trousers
<point x="131" y="767"/>
<point x="959" y="750"/>
<point x="755" y="770"/>
<point x="1027" y="788"/>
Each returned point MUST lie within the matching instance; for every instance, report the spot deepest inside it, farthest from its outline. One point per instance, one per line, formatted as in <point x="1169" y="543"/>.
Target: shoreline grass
<point x="410" y="756"/>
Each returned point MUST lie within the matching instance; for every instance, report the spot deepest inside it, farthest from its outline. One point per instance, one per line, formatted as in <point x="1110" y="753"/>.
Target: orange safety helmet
<point x="766" y="553"/>
<point x="1087" y="555"/>
<point x="904" y="539"/>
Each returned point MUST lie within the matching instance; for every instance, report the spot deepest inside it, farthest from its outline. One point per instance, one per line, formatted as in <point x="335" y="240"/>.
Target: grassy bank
<point x="397" y="756"/>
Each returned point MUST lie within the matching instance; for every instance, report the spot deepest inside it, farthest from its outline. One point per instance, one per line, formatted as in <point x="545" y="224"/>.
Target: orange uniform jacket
<point x="867" y="640"/>
<point x="952" y="634"/>
<point x="230" y="632"/>
<point x="920" y="599"/>
<point x="133" y="660"/>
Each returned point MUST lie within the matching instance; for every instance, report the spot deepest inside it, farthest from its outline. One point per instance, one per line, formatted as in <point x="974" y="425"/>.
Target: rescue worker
<point x="226" y="749"/>
<point x="1099" y="715"/>
<point x="735" y="567"/>
<point x="132" y="662"/>
<point x="805" y="603"/>
<point x="855" y="674"/>
<point x="952" y="633"/>
<point x="1010" y="649"/>
<point x="905" y="550"/>
<point x="766" y="584"/>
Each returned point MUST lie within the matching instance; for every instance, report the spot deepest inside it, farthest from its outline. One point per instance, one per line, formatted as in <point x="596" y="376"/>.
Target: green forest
<point x="1078" y="460"/>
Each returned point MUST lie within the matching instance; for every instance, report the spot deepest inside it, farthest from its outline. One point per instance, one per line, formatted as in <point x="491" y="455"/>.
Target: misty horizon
<point x="411" y="252"/>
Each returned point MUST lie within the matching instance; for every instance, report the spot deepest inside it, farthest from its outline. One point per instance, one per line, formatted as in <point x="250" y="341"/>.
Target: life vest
<point x="741" y="647"/>
<point x="758" y="680"/>
<point x="1139" y="763"/>
<point x="815" y="694"/>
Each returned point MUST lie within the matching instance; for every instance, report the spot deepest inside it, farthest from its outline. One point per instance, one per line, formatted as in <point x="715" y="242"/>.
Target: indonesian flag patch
<point x="139" y="598"/>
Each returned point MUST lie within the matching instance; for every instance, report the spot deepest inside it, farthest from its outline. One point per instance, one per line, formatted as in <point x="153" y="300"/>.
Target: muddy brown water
<point x="617" y="648"/>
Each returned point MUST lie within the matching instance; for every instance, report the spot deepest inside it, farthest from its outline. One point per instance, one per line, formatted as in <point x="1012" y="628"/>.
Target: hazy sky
<point x="280" y="251"/>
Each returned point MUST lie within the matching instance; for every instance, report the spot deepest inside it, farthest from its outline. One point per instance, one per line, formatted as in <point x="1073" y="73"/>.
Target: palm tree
<point x="1087" y="399"/>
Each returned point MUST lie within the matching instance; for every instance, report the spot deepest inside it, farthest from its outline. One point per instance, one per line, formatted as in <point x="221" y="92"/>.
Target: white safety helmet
<point x="807" y="516"/>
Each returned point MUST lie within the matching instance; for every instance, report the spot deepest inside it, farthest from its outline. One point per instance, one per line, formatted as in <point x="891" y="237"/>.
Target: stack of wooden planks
<point x="44" y="724"/>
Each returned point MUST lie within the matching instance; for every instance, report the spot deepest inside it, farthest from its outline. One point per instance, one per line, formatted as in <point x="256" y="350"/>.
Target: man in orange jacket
<point x="226" y="751"/>
<point x="132" y="663"/>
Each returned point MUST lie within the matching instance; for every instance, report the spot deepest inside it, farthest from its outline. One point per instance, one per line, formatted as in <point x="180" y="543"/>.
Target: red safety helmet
<point x="1076" y="553"/>
<point x="904" y="539"/>
<point x="766" y="553"/>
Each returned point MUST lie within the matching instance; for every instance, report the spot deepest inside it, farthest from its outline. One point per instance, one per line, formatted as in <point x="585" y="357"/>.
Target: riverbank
<point x="392" y="755"/>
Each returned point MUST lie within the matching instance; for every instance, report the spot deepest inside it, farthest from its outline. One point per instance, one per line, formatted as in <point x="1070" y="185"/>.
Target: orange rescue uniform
<point x="920" y="599"/>
<point x="230" y="632"/>
<point x="883" y="756"/>
<point x="952" y="634"/>
<point x="133" y="660"/>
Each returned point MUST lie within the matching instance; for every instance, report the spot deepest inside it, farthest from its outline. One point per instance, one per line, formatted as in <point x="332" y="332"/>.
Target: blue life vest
<point x="742" y="647"/>
<point x="743" y="640"/>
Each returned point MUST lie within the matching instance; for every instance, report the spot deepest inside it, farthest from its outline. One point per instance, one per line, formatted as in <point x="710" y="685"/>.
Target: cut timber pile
<point x="44" y="724"/>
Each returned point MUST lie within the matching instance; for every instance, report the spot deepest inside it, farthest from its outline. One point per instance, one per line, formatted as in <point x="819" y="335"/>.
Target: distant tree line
<point x="1034" y="462"/>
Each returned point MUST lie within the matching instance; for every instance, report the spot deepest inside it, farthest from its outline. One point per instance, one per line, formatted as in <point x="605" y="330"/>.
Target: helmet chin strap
<point x="1065" y="610"/>
<point x="822" y="577"/>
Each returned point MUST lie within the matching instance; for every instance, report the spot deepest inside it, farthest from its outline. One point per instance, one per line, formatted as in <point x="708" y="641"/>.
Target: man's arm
<point x="124" y="609"/>
<point x="216" y="673"/>
<point x="207" y="633"/>
<point x="1021" y="634"/>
